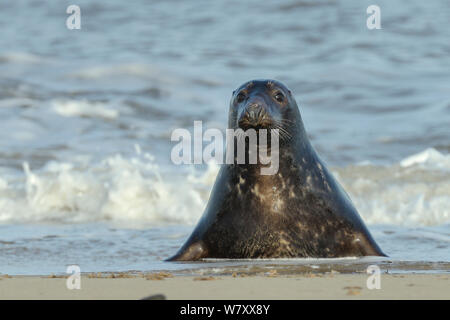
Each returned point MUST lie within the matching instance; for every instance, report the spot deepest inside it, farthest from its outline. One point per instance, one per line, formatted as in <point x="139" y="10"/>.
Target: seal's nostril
<point x="253" y="110"/>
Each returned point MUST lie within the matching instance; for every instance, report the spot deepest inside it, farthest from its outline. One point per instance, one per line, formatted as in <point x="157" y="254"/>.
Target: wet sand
<point x="236" y="286"/>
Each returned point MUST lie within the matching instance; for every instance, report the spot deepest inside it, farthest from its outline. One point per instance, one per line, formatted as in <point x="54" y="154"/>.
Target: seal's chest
<point x="269" y="198"/>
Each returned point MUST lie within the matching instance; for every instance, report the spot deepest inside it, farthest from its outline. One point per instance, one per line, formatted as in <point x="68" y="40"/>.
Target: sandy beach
<point x="307" y="286"/>
<point x="115" y="152"/>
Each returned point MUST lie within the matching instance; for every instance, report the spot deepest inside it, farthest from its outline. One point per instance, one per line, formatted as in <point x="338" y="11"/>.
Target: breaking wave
<point x="135" y="191"/>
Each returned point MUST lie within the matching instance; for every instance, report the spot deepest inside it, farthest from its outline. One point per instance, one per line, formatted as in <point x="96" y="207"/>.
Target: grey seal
<point x="301" y="211"/>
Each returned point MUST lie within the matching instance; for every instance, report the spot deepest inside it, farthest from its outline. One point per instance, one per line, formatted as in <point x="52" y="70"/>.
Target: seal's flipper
<point x="368" y="246"/>
<point x="195" y="251"/>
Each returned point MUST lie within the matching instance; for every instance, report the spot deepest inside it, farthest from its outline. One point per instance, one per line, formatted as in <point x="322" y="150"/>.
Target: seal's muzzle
<point x="254" y="116"/>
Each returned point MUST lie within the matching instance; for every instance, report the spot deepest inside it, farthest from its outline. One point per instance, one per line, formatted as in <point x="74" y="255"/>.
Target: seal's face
<point x="262" y="104"/>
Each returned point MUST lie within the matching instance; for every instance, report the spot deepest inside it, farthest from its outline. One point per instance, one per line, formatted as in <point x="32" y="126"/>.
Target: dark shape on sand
<point x="155" y="297"/>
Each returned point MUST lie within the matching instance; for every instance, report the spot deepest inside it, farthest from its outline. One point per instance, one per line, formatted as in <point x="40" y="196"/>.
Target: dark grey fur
<point x="301" y="211"/>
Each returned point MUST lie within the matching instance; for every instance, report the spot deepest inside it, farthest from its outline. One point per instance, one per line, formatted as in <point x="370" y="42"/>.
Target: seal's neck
<point x="288" y="155"/>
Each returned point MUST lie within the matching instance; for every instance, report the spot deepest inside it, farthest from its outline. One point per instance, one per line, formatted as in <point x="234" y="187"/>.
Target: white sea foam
<point x="428" y="159"/>
<point x="127" y="191"/>
<point x="135" y="191"/>
<point x="74" y="108"/>
<point x="3" y="184"/>
<point x="21" y="57"/>
<point x="415" y="192"/>
<point x="146" y="71"/>
<point x="105" y="71"/>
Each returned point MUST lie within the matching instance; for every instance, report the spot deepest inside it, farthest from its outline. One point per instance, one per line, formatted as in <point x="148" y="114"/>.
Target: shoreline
<point x="236" y="286"/>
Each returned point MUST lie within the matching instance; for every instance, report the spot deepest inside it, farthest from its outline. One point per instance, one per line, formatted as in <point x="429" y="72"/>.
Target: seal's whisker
<point x="286" y="121"/>
<point x="283" y="133"/>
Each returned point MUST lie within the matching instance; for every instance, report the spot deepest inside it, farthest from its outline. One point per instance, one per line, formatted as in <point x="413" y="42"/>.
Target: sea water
<point x="86" y="118"/>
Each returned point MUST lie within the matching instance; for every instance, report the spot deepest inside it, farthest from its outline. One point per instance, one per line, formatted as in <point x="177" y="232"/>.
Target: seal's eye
<point x="240" y="97"/>
<point x="279" y="96"/>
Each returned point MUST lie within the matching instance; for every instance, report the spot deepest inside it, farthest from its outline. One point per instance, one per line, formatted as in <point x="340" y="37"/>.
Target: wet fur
<point x="299" y="212"/>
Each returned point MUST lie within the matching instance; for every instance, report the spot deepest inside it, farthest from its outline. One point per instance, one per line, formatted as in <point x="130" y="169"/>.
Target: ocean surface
<point x="86" y="118"/>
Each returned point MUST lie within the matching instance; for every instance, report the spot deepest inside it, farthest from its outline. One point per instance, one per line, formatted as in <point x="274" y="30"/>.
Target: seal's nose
<point x="252" y="116"/>
<point x="254" y="111"/>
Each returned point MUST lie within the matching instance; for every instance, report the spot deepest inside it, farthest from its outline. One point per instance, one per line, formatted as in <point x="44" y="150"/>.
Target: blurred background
<point x="86" y="118"/>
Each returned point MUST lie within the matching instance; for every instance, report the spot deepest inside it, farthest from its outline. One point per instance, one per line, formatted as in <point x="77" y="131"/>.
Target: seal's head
<point x="264" y="104"/>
